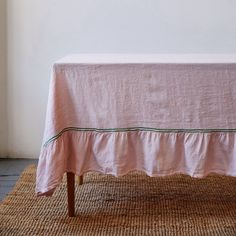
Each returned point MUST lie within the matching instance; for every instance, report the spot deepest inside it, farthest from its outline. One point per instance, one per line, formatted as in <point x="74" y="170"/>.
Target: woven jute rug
<point x="134" y="204"/>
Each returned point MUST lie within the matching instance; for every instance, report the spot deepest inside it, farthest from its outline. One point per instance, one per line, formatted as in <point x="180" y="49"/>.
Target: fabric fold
<point x="154" y="153"/>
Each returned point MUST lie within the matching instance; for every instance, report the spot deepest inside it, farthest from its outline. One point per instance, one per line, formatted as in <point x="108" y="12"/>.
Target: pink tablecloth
<point x="117" y="113"/>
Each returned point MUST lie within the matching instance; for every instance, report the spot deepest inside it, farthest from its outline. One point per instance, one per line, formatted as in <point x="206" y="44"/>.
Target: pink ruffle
<point x="155" y="153"/>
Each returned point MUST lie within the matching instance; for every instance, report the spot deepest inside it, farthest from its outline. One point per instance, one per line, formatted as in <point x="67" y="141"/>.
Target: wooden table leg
<point x="71" y="193"/>
<point x="80" y="179"/>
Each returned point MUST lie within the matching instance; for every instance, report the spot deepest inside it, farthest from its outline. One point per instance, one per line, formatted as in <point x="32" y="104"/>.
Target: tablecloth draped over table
<point x="161" y="118"/>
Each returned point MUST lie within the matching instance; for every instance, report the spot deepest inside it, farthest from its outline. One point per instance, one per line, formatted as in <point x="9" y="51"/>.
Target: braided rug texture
<point x="134" y="204"/>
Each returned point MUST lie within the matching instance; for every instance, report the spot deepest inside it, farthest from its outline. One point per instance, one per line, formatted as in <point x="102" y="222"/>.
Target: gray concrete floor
<point x="10" y="170"/>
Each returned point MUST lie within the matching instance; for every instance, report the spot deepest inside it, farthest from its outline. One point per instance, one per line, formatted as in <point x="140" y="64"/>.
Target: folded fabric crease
<point x="117" y="153"/>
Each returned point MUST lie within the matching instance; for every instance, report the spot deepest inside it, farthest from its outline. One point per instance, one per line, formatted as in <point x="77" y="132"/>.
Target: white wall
<point x="3" y="112"/>
<point x="41" y="31"/>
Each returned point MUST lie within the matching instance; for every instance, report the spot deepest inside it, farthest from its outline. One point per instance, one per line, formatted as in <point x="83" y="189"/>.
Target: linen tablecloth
<point x="162" y="114"/>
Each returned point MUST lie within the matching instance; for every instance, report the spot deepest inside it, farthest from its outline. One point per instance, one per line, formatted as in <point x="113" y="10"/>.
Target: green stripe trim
<point x="137" y="129"/>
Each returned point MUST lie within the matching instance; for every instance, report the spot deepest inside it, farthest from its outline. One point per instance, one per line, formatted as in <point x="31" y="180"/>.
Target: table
<point x="161" y="114"/>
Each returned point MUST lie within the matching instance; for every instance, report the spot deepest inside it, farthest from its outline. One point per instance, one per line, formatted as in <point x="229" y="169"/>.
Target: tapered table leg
<point x="71" y="193"/>
<point x="80" y="180"/>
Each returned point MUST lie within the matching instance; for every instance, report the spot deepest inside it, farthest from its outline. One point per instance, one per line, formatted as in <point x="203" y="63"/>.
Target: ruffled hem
<point x="156" y="154"/>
